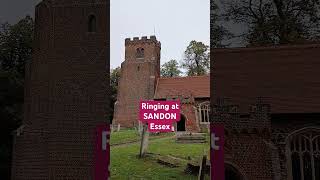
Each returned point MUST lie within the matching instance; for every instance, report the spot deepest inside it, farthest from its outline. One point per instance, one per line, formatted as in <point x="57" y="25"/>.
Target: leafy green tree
<point x="170" y="69"/>
<point x="275" y="21"/>
<point x="16" y="45"/>
<point x="196" y="59"/>
<point x="114" y="80"/>
<point x="15" y="52"/>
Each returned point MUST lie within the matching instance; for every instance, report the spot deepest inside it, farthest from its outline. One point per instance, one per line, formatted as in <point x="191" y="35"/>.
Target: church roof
<point x="287" y="77"/>
<point x="197" y="86"/>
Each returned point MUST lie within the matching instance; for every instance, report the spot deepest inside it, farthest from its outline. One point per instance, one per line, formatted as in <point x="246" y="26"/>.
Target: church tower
<point x="65" y="92"/>
<point x="138" y="77"/>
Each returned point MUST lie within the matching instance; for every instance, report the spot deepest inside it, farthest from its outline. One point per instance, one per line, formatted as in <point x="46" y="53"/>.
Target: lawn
<point x="124" y="136"/>
<point x="125" y="163"/>
<point x="130" y="135"/>
<point x="185" y="151"/>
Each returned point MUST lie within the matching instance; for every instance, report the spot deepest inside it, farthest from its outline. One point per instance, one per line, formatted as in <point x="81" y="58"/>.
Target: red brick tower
<point x="139" y="74"/>
<point x="66" y="91"/>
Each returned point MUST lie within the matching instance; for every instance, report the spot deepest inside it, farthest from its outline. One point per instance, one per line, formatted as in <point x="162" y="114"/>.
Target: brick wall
<point x="66" y="92"/>
<point x="138" y="79"/>
<point x="188" y="110"/>
<point x="247" y="138"/>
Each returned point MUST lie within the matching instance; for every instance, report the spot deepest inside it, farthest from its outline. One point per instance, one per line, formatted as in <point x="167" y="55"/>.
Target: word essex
<point x="159" y="127"/>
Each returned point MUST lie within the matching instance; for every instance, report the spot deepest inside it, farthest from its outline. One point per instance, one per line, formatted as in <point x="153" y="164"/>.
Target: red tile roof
<point x="197" y="86"/>
<point x="288" y="77"/>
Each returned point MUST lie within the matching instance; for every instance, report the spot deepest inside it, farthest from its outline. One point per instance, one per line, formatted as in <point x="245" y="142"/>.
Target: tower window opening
<point x="140" y="53"/>
<point x="92" y="24"/>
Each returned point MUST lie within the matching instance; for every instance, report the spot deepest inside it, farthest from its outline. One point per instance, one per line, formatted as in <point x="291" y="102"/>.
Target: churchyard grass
<point x="129" y="136"/>
<point x="125" y="163"/>
<point x="124" y="136"/>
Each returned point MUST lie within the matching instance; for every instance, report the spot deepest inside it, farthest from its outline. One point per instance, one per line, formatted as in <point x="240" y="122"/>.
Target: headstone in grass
<point x="140" y="128"/>
<point x="144" y="140"/>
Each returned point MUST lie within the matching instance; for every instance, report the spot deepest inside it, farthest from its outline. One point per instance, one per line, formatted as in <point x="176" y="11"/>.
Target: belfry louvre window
<point x="92" y="23"/>
<point x="203" y="112"/>
<point x="140" y="53"/>
<point x="304" y="155"/>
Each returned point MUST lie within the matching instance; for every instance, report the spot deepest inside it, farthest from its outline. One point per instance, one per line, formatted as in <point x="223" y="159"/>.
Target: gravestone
<point x="144" y="141"/>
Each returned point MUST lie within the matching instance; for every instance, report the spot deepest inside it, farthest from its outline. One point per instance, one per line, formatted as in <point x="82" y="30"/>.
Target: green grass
<point x="184" y="151"/>
<point x="130" y="135"/>
<point x="124" y="136"/>
<point x="125" y="163"/>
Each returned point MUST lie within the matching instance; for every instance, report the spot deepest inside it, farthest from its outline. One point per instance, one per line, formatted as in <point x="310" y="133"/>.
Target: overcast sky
<point x="13" y="10"/>
<point x="174" y="22"/>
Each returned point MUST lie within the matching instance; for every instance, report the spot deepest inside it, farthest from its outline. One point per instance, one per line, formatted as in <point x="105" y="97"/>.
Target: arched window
<point x="303" y="154"/>
<point x="92" y="24"/>
<point x="203" y="112"/>
<point x="140" y="53"/>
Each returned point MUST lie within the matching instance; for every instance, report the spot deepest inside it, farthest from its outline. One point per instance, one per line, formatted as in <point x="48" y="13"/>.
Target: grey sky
<point x="176" y="23"/>
<point x="235" y="29"/>
<point x="14" y="10"/>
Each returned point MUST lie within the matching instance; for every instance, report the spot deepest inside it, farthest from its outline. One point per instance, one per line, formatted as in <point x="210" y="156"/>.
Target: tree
<point x="170" y="69"/>
<point x="16" y="45"/>
<point x="15" y="52"/>
<point x="114" y="80"/>
<point x="219" y="34"/>
<point x="275" y="21"/>
<point x="196" y="59"/>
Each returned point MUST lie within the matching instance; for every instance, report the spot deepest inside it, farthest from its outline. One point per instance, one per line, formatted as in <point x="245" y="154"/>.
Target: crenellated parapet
<point x="142" y="40"/>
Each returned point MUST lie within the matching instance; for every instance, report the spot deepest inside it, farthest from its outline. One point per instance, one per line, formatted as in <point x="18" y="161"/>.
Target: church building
<point x="267" y="98"/>
<point x="140" y="80"/>
<point x="269" y="102"/>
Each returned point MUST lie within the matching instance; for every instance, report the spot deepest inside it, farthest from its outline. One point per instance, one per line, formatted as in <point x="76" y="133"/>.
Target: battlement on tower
<point x="142" y="40"/>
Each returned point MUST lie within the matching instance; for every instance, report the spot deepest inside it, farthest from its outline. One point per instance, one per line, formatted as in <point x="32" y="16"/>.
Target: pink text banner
<point x="217" y="151"/>
<point x="102" y="152"/>
<point x="160" y="115"/>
